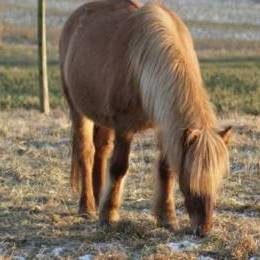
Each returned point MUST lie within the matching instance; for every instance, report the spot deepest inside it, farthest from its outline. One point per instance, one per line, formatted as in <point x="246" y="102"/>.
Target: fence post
<point x="42" y="58"/>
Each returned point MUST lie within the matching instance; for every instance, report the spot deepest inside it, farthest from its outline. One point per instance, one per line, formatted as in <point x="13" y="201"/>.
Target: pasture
<point x="38" y="212"/>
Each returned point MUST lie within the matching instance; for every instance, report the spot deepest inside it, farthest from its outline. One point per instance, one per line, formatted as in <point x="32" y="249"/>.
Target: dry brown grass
<point x="15" y="34"/>
<point x="38" y="211"/>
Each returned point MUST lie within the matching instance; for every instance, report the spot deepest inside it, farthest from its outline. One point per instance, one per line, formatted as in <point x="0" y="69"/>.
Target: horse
<point x="127" y="67"/>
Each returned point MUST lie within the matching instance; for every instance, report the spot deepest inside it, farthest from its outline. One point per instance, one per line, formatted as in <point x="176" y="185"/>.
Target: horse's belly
<point x="113" y="117"/>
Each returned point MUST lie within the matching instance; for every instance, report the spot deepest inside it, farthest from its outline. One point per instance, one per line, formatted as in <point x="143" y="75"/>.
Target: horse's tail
<point x="74" y="174"/>
<point x="205" y="162"/>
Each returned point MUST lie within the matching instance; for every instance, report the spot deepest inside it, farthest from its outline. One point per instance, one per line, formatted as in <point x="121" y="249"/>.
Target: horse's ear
<point x="191" y="135"/>
<point x="226" y="134"/>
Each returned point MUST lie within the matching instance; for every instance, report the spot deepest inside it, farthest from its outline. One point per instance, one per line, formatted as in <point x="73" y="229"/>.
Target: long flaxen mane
<point x="162" y="61"/>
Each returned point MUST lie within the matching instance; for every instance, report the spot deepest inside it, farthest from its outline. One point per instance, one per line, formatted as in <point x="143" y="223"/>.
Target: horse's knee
<point x="164" y="169"/>
<point x="90" y="151"/>
<point x="119" y="163"/>
<point x="103" y="141"/>
<point x="118" y="169"/>
<point x="103" y="147"/>
<point x="86" y="154"/>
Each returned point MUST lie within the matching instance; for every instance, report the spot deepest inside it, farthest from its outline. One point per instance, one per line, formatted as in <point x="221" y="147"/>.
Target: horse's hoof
<point x="88" y="214"/>
<point x="109" y="218"/>
<point x="172" y="226"/>
<point x="201" y="231"/>
<point x="105" y="224"/>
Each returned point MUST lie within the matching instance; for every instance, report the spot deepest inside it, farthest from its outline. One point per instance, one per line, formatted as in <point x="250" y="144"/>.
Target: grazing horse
<point x="127" y="67"/>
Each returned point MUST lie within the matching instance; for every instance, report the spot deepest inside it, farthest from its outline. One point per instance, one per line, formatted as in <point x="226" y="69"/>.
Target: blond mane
<point x="206" y="162"/>
<point x="163" y="62"/>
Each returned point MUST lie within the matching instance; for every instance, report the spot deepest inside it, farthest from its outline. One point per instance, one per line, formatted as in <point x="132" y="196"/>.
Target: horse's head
<point x="205" y="162"/>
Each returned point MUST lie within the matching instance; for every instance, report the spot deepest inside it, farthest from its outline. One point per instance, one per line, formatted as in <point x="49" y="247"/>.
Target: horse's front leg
<point x="118" y="169"/>
<point x="103" y="140"/>
<point x="82" y="163"/>
<point x="165" y="204"/>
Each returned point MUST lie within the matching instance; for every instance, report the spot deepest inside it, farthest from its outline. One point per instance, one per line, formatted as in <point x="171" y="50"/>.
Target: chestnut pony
<point x="125" y="68"/>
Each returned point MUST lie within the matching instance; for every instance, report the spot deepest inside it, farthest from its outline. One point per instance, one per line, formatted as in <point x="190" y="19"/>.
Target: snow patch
<point x="146" y="211"/>
<point x="18" y="258"/>
<point x="3" y="246"/>
<point x="57" y="251"/>
<point x="205" y="258"/>
<point x="182" y="246"/>
<point x="105" y="247"/>
<point x="40" y="256"/>
<point x="86" y="257"/>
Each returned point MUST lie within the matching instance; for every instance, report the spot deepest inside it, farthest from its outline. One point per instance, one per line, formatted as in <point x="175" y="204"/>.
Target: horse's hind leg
<point x="103" y="141"/>
<point x="118" y="169"/>
<point x="82" y="162"/>
<point x="164" y="206"/>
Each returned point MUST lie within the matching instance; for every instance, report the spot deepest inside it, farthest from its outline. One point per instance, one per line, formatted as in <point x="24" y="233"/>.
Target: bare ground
<point x="38" y="212"/>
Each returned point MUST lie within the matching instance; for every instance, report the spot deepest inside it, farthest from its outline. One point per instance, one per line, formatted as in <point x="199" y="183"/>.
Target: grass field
<point x="38" y="212"/>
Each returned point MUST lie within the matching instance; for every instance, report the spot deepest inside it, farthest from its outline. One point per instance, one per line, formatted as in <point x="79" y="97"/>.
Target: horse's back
<point x="93" y="14"/>
<point x="84" y="48"/>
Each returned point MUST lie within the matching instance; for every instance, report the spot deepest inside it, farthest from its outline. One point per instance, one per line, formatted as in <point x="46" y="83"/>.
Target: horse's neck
<point x="178" y="104"/>
<point x="163" y="62"/>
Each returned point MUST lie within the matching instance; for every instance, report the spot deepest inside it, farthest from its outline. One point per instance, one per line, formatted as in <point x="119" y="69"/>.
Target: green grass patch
<point x="19" y="88"/>
<point x="20" y="55"/>
<point x="233" y="85"/>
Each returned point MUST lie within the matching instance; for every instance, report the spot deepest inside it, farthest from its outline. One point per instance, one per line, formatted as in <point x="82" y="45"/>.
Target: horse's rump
<point x="85" y="50"/>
